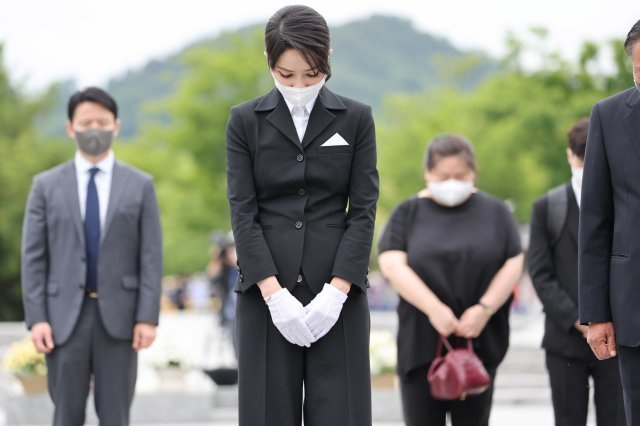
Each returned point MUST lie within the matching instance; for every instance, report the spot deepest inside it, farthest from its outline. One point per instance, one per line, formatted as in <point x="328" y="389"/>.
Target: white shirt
<point x="102" y="180"/>
<point x="576" y="183"/>
<point x="301" y="117"/>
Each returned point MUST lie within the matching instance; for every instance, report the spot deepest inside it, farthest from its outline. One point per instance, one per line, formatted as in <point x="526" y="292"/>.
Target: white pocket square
<point x="335" y="140"/>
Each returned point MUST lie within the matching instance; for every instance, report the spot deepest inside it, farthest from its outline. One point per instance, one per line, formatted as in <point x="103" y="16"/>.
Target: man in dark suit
<point x="610" y="233"/>
<point x="553" y="266"/>
<point x="91" y="268"/>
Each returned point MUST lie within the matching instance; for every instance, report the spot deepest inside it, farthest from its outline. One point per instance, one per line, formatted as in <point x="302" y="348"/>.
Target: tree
<point x="187" y="155"/>
<point x="517" y="121"/>
<point x="21" y="156"/>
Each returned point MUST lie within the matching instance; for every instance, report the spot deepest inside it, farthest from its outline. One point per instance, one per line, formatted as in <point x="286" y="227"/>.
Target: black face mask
<point x="95" y="141"/>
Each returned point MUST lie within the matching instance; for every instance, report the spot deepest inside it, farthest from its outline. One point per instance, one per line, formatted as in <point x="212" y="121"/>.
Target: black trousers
<point x="629" y="359"/>
<point x="328" y="383"/>
<point x="92" y="352"/>
<point x="421" y="409"/>
<point x="569" y="380"/>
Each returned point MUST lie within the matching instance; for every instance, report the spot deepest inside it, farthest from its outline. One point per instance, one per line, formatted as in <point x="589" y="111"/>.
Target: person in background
<point x="553" y="267"/>
<point x="92" y="268"/>
<point x="302" y="185"/>
<point x="453" y="255"/>
<point x="609" y="234"/>
<point x="223" y="274"/>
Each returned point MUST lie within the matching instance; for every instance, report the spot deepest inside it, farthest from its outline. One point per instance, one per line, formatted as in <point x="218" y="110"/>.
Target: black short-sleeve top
<point x="456" y="251"/>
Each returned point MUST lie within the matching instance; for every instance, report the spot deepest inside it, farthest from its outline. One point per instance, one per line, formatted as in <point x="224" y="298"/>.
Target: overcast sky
<point x="91" y="40"/>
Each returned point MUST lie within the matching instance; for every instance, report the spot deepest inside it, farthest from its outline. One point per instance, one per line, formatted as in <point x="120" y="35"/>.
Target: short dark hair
<point x="91" y="94"/>
<point x="578" y="137"/>
<point x="632" y="37"/>
<point x="448" y="145"/>
<point x="301" y="28"/>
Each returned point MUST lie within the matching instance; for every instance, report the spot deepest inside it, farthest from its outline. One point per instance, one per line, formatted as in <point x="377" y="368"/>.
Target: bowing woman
<point x="453" y="255"/>
<point x="302" y="188"/>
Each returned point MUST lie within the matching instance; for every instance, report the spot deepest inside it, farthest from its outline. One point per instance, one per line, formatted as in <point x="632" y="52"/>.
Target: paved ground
<point x="521" y="396"/>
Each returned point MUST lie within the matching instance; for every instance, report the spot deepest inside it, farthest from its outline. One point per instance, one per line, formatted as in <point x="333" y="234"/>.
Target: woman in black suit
<point x="302" y="186"/>
<point x="453" y="254"/>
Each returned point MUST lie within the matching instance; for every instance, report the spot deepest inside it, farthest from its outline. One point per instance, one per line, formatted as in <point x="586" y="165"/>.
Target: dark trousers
<point x="629" y="359"/>
<point x="333" y="374"/>
<point x="92" y="352"/>
<point x="421" y="409"/>
<point x="569" y="380"/>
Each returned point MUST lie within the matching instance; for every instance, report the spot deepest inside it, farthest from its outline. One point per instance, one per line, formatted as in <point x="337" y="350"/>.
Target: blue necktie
<point x="92" y="232"/>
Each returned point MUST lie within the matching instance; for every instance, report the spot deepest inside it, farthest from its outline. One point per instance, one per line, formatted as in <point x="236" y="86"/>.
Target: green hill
<point x="372" y="58"/>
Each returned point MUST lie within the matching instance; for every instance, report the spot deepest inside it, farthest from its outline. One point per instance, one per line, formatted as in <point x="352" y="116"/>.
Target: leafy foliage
<point x="21" y="156"/>
<point x="517" y="119"/>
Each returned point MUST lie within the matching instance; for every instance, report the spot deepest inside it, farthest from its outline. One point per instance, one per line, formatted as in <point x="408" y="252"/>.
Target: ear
<point x="70" y="131"/>
<point x="116" y="129"/>
<point x="570" y="157"/>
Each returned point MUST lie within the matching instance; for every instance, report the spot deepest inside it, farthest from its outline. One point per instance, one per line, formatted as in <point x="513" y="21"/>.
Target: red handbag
<point x="458" y="373"/>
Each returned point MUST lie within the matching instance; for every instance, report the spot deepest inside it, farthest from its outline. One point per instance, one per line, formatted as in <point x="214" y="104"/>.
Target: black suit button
<point x="298" y="225"/>
<point x="300" y="157"/>
<point x="302" y="191"/>
<point x="81" y="285"/>
<point x="299" y="279"/>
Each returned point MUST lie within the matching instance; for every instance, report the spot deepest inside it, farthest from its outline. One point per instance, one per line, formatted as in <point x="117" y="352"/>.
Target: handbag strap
<point x="445" y="341"/>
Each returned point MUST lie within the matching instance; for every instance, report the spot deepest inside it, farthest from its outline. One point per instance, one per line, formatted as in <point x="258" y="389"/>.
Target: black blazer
<point x="289" y="199"/>
<point x="553" y="267"/>
<point x="609" y="243"/>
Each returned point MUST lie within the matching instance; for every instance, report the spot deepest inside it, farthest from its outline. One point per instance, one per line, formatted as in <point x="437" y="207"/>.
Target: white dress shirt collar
<point x="308" y="107"/>
<point x="105" y="165"/>
<point x="301" y="118"/>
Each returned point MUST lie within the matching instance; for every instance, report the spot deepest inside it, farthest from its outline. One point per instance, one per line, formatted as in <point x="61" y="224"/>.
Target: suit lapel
<point x="321" y="116"/>
<point x="280" y="116"/>
<point x="632" y="118"/>
<point x="115" y="195"/>
<point x="69" y="186"/>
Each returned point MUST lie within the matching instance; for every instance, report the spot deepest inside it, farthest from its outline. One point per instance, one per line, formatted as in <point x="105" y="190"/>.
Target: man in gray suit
<point x="91" y="268"/>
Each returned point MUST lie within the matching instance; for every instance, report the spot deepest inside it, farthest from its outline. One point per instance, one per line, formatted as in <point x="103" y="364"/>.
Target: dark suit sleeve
<point x="150" y="258"/>
<point x="254" y="255"/>
<point x="596" y="228"/>
<point x="352" y="257"/>
<point x="557" y="303"/>
<point x="34" y="256"/>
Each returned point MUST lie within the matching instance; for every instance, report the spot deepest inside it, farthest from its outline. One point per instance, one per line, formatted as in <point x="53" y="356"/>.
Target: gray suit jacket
<point x="53" y="253"/>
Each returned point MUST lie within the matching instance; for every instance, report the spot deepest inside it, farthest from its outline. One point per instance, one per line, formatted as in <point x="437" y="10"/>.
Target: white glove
<point x="287" y="314"/>
<point x="323" y="311"/>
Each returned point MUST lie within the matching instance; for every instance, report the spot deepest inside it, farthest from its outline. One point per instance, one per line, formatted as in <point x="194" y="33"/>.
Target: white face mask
<point x="300" y="97"/>
<point x="451" y="192"/>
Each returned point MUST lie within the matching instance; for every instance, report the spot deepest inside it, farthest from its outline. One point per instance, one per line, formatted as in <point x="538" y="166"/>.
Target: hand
<point x="443" y="319"/>
<point x="472" y="322"/>
<point x="583" y="329"/>
<point x="42" y="337"/>
<point x="324" y="310"/>
<point x="602" y="339"/>
<point x="287" y="314"/>
<point x="143" y="335"/>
